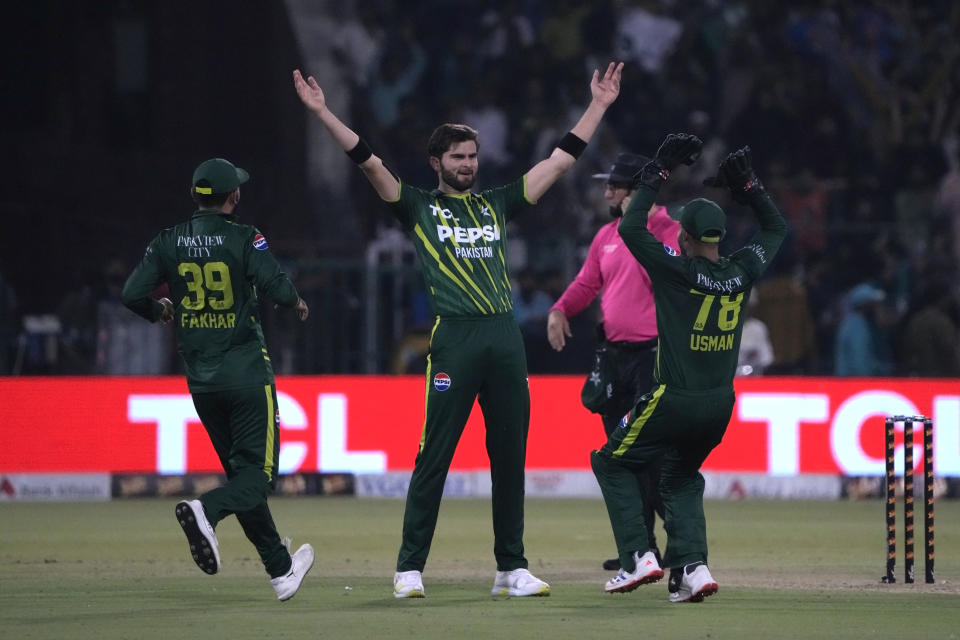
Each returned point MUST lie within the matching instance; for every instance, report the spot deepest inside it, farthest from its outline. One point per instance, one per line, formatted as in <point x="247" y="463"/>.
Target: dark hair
<point x="209" y="200"/>
<point x="444" y="136"/>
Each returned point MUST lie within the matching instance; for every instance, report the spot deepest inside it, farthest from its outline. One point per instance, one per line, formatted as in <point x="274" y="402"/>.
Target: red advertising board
<point x="780" y="426"/>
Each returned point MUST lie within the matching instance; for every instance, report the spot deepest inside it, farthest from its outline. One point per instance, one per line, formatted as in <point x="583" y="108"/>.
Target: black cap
<point x="623" y="170"/>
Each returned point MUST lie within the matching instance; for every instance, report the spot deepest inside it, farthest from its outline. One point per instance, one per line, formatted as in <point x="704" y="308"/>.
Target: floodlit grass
<point x="787" y="569"/>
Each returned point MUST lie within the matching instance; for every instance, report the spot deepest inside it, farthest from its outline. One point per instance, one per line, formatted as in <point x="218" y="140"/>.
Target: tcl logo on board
<point x="372" y="424"/>
<point x="173" y="414"/>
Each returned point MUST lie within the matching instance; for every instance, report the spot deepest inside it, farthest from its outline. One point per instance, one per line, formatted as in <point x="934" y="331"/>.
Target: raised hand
<point x="676" y="148"/>
<point x="310" y="92"/>
<point x="606" y="89"/>
<point x="736" y="173"/>
<point x="679" y="148"/>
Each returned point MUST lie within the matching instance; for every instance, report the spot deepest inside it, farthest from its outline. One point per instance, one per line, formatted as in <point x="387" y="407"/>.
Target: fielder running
<point x="700" y="299"/>
<point x="476" y="350"/>
<point x="216" y="267"/>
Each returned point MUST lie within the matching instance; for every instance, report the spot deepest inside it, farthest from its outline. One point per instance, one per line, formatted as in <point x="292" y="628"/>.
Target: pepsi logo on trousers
<point x="441" y="381"/>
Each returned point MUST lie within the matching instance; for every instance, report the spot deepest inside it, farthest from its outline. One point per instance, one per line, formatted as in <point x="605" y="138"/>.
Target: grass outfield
<point x="787" y="569"/>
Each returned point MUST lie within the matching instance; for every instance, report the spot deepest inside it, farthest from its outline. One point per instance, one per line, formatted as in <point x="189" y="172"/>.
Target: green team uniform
<point x="215" y="269"/>
<point x="476" y="352"/>
<point x="700" y="306"/>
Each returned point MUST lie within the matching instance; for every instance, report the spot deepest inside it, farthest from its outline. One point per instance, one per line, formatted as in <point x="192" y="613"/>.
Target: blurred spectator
<point x="78" y="339"/>
<point x="948" y="192"/>
<point x="756" y="351"/>
<point x="561" y="33"/>
<point x="782" y="305"/>
<point x="125" y="344"/>
<point x="9" y="326"/>
<point x="396" y="75"/>
<point x="358" y="40"/>
<point x="645" y="36"/>
<point x="804" y="202"/>
<point x="701" y="125"/>
<point x="506" y="32"/>
<point x="862" y="346"/>
<point x="493" y="132"/>
<point x="531" y="303"/>
<point x="930" y="344"/>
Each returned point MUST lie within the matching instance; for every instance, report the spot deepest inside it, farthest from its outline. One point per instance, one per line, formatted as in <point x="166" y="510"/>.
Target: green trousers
<point x="679" y="428"/>
<point x="243" y="425"/>
<point x="478" y="358"/>
<point x="633" y="377"/>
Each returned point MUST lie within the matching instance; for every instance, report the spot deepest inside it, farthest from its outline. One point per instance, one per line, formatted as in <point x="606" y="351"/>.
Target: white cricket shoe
<point x="287" y="585"/>
<point x="518" y="583"/>
<point x="408" y="584"/>
<point x="647" y="570"/>
<point x="203" y="540"/>
<point x="695" y="584"/>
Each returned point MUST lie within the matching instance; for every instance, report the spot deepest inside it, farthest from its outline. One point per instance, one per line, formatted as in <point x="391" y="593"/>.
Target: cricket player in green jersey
<point x="700" y="299"/>
<point x="215" y="269"/>
<point x="476" y="350"/>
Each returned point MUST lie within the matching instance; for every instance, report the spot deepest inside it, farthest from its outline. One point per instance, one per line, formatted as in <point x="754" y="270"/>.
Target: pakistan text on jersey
<point x="727" y="286"/>
<point x="208" y="320"/>
<point x="463" y="235"/>
<point x="700" y="342"/>
<point x="474" y="252"/>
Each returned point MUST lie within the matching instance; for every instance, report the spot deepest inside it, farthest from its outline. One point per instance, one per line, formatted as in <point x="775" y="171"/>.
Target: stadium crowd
<point x="852" y="108"/>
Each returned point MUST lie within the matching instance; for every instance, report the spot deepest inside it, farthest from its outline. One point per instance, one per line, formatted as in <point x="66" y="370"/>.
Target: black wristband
<point x="360" y="153"/>
<point x="572" y="144"/>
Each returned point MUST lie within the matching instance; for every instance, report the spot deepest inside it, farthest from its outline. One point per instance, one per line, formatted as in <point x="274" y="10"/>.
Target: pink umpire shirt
<point x="627" y="299"/>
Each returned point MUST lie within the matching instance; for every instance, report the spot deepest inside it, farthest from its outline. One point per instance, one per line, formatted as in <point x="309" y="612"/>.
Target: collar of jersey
<point x="212" y="212"/>
<point x="436" y="193"/>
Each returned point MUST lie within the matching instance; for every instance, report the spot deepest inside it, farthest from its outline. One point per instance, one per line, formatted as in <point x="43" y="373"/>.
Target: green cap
<point x="217" y="175"/>
<point x="704" y="220"/>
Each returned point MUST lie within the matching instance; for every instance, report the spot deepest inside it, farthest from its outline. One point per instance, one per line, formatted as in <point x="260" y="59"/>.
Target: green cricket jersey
<point x="462" y="244"/>
<point x="700" y="304"/>
<point x="214" y="268"/>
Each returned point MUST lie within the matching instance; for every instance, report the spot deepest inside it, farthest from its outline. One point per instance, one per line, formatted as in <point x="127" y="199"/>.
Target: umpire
<point x="214" y="268"/>
<point x="628" y="330"/>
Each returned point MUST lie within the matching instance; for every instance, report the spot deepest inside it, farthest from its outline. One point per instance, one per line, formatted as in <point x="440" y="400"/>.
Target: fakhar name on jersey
<point x="208" y="320"/>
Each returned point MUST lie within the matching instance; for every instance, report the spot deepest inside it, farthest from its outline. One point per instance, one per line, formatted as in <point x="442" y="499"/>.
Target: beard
<point x="459" y="183"/>
<point x="615" y="211"/>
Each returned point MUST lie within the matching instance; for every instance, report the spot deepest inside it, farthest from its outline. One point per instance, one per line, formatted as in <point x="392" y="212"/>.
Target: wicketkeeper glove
<point x="736" y="173"/>
<point x="676" y="148"/>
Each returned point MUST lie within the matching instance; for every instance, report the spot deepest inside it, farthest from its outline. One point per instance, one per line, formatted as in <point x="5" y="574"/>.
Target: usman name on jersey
<point x="700" y="342"/>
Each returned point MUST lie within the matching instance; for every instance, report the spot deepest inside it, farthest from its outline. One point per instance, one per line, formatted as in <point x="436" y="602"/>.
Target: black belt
<point x="624" y="345"/>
